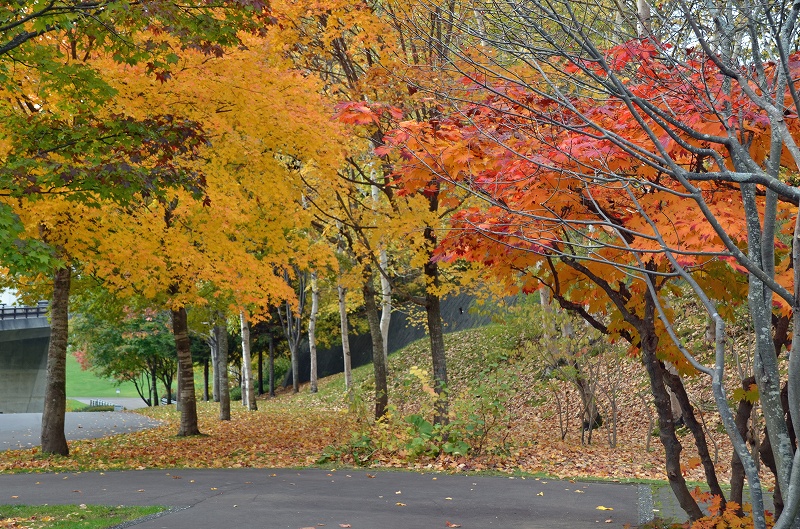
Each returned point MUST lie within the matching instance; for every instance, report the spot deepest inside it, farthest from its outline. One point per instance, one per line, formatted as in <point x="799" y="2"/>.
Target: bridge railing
<point x="8" y="312"/>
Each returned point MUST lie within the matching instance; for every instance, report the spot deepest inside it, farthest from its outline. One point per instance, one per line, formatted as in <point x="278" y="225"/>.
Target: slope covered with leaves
<point x="510" y="413"/>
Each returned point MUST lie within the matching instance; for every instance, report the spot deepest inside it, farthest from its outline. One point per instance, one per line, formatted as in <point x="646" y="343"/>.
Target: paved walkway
<point x="299" y="499"/>
<point x="23" y="430"/>
<point x="293" y="499"/>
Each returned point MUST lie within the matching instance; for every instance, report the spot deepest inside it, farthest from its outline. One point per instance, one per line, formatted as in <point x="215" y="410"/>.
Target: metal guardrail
<point x="99" y="402"/>
<point x="8" y="312"/>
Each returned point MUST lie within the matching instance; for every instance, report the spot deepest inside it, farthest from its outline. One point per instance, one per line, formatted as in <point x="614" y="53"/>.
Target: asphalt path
<point x="300" y="499"/>
<point x="23" y="430"/>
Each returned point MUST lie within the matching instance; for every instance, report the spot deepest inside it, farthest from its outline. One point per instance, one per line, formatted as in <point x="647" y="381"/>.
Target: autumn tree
<point x="699" y="121"/>
<point x="63" y="137"/>
<point x="162" y="222"/>
<point x="354" y="48"/>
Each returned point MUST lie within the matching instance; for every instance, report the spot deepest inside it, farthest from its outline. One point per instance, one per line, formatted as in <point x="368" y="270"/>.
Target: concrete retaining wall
<point x="23" y="364"/>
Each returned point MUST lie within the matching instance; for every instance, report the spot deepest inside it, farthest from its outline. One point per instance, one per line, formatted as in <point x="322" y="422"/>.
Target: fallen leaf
<point x="541" y="494"/>
<point x="449" y="524"/>
<point x="448" y="498"/>
<point x="400" y="504"/>
<point x="345" y="525"/>
<point x="609" y="520"/>
<point x="601" y="508"/>
<point x="15" y="497"/>
<point x="213" y="488"/>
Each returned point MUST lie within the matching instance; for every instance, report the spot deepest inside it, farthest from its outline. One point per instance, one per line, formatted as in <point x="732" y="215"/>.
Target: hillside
<point x="496" y="382"/>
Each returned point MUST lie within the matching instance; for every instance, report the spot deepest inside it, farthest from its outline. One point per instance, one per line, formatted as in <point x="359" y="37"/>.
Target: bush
<point x="236" y="393"/>
<point x="282" y="366"/>
<point x="95" y="408"/>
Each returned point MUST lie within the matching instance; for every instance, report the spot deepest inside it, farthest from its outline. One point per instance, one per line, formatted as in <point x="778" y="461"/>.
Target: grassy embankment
<point x="82" y="383"/>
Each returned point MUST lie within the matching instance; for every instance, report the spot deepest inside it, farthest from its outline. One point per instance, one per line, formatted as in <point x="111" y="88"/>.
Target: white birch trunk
<point x="386" y="305"/>
<point x="213" y="344"/>
<point x="248" y="395"/>
<point x="348" y="374"/>
<point x="386" y="292"/>
<point x="312" y="330"/>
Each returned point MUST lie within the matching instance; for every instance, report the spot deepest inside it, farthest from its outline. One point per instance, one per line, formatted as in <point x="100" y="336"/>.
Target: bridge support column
<point x="23" y="364"/>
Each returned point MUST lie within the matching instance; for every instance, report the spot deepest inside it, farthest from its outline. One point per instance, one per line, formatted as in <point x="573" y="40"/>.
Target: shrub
<point x="236" y="393"/>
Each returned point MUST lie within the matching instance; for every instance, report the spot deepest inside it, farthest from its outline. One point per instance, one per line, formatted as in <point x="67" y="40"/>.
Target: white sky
<point x="7" y="297"/>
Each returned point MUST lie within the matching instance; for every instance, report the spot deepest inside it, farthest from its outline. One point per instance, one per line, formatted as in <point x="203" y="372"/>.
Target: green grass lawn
<point x="70" y="516"/>
<point x="82" y="383"/>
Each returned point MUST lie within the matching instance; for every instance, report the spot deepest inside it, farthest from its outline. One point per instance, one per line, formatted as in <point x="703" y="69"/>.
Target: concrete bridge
<point x="24" y="337"/>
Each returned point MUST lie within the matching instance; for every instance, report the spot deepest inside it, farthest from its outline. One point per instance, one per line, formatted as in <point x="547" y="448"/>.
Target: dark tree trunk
<point x="676" y="385"/>
<point x="166" y="378"/>
<point x="742" y="419"/>
<point x="260" y="372"/>
<point x="271" y="366"/>
<point x="666" y="423"/>
<point x="154" y="389"/>
<point x="186" y="395"/>
<point x="222" y="372"/>
<point x="374" y="319"/>
<point x="436" y="334"/>
<point x="55" y="397"/>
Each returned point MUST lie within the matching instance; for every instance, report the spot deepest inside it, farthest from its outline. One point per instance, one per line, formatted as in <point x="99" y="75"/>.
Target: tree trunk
<point x="186" y="394"/>
<point x="687" y="412"/>
<point x="293" y="325"/>
<point x="436" y="333"/>
<point x="205" y="380"/>
<point x="223" y="382"/>
<point x="248" y="395"/>
<point x="213" y="344"/>
<point x="737" y="469"/>
<point x="386" y="291"/>
<point x="312" y="331"/>
<point x="666" y="424"/>
<point x="260" y="371"/>
<point x="55" y="397"/>
<point x="386" y="305"/>
<point x="295" y="368"/>
<point x="371" y="307"/>
<point x="154" y="401"/>
<point x="271" y="366"/>
<point x="348" y="372"/>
